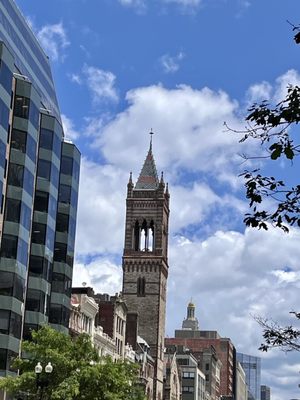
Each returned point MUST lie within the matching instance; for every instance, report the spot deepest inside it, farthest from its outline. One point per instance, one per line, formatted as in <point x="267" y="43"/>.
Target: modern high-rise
<point x="145" y="261"/>
<point x="252" y="367"/>
<point x="265" y="392"/>
<point x="39" y="176"/>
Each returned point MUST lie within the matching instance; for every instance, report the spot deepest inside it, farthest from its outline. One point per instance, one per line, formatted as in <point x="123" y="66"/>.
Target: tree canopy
<point x="78" y="372"/>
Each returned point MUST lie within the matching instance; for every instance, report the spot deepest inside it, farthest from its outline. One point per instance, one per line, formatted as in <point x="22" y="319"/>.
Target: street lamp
<point x="42" y="382"/>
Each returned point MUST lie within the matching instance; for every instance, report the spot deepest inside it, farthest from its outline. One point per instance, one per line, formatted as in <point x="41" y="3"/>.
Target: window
<point x="35" y="300"/>
<point x="59" y="315"/>
<point x="9" y="246"/>
<point x="31" y="148"/>
<point x="64" y="195"/>
<point x="18" y="140"/>
<point x="11" y="285"/>
<point x="4" y="115"/>
<point x="34" y="114"/>
<point x="15" y="325"/>
<point x="44" y="169"/>
<point x="38" y="233"/>
<point x="22" y="252"/>
<point x="28" y="181"/>
<point x="50" y="238"/>
<point x="61" y="283"/>
<point x="3" y="359"/>
<point x="28" y="328"/>
<point x="54" y="176"/>
<point x="21" y="107"/>
<point x="60" y="252"/>
<point x="41" y="201"/>
<point x="66" y="166"/>
<point x="15" y="175"/>
<point x="4" y="321"/>
<point x="40" y="266"/>
<point x="188" y="375"/>
<point x="187" y="389"/>
<point x="5" y="76"/>
<point x="12" y="210"/>
<point x="57" y="145"/>
<point x="46" y="139"/>
<point x="62" y="223"/>
<point x="141" y="283"/>
<point x="25" y="216"/>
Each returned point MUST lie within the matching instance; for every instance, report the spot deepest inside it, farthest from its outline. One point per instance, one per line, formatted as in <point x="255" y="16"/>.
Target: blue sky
<point x="182" y="68"/>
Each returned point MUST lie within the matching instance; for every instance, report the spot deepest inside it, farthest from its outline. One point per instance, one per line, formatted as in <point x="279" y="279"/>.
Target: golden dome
<point x="191" y="305"/>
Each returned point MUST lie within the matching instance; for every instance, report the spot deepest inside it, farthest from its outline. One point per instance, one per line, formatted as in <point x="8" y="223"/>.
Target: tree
<point x="287" y="338"/>
<point x="274" y="128"/>
<point x="78" y="372"/>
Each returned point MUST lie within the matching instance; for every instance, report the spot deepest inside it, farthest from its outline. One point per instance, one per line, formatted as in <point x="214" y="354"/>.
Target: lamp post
<point x="42" y="381"/>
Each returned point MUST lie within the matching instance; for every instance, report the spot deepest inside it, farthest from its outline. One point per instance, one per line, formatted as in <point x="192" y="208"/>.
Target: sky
<point x="180" y="68"/>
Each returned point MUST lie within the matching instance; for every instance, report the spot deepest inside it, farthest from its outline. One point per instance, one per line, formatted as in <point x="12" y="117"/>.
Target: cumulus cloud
<point x="69" y="128"/>
<point x="101" y="273"/>
<point x="188" y="125"/>
<point x="171" y="64"/>
<point x="101" y="84"/>
<point x="53" y="39"/>
<point x="273" y="93"/>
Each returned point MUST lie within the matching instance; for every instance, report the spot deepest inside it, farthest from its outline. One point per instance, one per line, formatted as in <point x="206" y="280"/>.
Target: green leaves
<point x="74" y="377"/>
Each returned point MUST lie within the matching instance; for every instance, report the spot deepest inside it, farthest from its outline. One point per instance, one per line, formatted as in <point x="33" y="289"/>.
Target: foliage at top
<point x="78" y="372"/>
<point x="274" y="129"/>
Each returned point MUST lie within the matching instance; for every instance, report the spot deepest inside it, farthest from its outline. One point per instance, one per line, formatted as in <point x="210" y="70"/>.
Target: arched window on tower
<point x="141" y="284"/>
<point x="137" y="236"/>
<point x="151" y="237"/>
<point x="144" y="237"/>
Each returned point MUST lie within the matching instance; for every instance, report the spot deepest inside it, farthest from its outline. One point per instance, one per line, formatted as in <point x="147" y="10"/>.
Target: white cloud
<point x="184" y="3"/>
<point x="102" y="274"/>
<point x="53" y="39"/>
<point x="273" y="93"/>
<point x="101" y="84"/>
<point x="189" y="130"/>
<point x="69" y="129"/>
<point x="75" y="78"/>
<point x="171" y="64"/>
<point x="100" y="209"/>
<point x="139" y="5"/>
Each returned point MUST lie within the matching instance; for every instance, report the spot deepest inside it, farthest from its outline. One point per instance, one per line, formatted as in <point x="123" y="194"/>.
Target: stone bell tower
<point x="145" y="260"/>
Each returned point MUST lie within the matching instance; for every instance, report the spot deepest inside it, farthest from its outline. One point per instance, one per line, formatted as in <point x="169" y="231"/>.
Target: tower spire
<point x="148" y="178"/>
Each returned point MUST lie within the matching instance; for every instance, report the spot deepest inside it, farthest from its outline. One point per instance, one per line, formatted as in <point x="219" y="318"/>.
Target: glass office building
<point x="39" y="175"/>
<point x="252" y="367"/>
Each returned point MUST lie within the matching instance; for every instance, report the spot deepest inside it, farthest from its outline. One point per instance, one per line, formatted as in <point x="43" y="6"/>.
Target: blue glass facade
<point x="252" y="367"/>
<point x="30" y="60"/>
<point x="39" y="176"/>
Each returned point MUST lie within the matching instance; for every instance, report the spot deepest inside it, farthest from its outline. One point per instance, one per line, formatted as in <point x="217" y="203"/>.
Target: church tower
<point x="145" y="260"/>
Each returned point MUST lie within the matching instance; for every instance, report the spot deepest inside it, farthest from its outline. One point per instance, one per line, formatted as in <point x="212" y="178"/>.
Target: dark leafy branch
<point x="273" y="128"/>
<point x="287" y="338"/>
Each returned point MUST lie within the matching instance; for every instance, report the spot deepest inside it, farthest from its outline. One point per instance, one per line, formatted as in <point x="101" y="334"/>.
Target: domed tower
<point x="145" y="260"/>
<point x="190" y="322"/>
